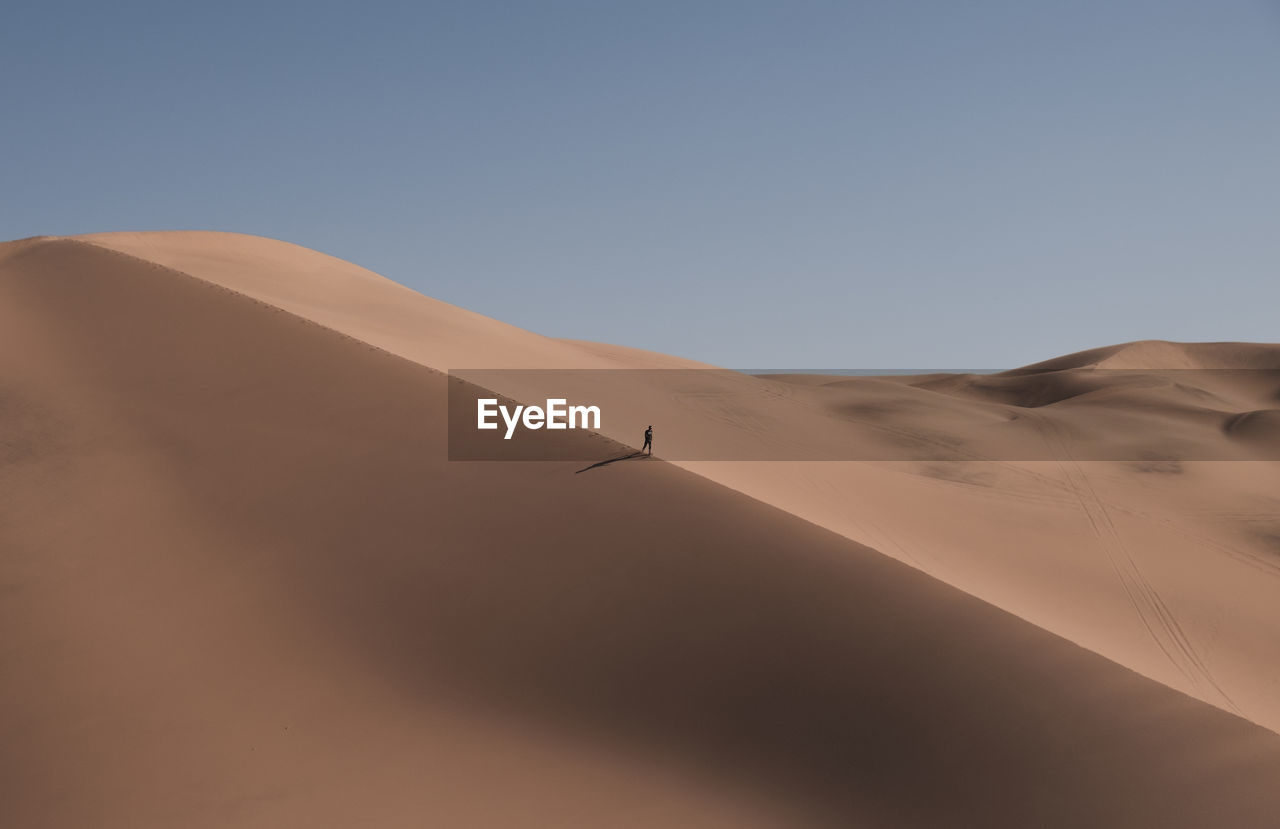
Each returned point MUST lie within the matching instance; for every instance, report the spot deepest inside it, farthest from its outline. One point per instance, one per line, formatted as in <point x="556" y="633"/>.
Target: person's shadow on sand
<point x="611" y="460"/>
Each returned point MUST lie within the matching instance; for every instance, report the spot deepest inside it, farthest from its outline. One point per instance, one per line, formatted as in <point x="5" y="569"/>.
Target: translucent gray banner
<point x="1130" y="415"/>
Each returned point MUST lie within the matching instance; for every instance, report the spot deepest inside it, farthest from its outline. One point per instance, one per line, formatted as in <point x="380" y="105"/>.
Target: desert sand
<point x="241" y="583"/>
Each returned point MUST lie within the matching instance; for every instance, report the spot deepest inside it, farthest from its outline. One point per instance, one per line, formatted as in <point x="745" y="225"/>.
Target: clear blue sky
<point x="786" y="184"/>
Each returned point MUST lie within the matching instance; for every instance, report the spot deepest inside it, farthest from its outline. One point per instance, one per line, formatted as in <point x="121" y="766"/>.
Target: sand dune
<point x="242" y="585"/>
<point x="1044" y="477"/>
<point x="1148" y="355"/>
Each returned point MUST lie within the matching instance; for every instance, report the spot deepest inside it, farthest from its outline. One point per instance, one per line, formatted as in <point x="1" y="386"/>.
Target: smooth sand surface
<point x="242" y="585"/>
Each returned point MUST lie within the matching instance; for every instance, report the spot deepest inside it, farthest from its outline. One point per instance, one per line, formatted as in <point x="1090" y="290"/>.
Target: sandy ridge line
<point x="306" y="320"/>
<point x="216" y="286"/>
<point x="346" y="336"/>
<point x="232" y="291"/>
<point x="274" y="308"/>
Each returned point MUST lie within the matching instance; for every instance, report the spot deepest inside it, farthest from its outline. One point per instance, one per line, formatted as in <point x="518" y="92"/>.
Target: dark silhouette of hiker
<point x="648" y="440"/>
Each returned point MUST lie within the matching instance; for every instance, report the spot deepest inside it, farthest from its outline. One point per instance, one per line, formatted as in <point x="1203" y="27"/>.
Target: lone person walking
<point x="648" y="440"/>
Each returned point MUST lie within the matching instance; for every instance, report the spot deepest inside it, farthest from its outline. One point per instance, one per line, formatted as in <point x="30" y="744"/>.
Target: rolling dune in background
<point x="242" y="585"/>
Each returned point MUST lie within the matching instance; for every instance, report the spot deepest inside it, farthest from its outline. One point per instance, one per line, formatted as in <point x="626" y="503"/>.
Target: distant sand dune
<point x="241" y="585"/>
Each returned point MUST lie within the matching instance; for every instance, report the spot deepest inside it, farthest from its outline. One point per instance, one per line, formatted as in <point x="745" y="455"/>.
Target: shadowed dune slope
<point x="240" y="585"/>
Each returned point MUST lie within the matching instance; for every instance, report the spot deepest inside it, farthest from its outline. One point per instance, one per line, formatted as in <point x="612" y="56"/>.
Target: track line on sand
<point x="1159" y="621"/>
